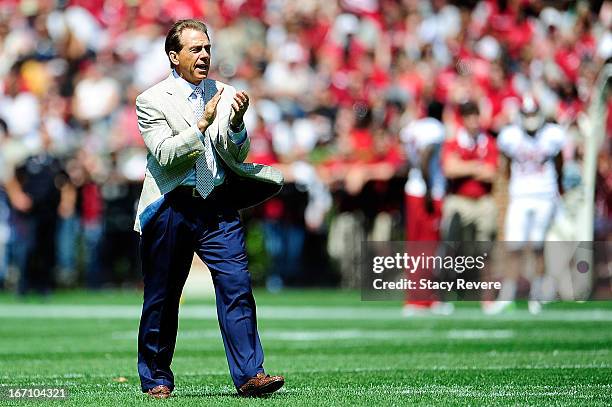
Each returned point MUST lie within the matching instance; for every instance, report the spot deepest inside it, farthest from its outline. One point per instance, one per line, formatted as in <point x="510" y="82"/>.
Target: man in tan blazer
<point x="196" y="181"/>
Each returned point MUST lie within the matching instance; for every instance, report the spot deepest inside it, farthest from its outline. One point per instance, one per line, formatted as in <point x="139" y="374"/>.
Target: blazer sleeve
<point x="239" y="151"/>
<point x="167" y="146"/>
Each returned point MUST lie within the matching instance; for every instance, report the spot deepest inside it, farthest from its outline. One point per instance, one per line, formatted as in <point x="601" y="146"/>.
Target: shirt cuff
<point x="240" y="137"/>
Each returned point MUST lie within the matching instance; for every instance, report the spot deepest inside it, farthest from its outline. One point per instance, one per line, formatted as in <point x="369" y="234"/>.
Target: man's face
<point x="532" y="121"/>
<point x="193" y="60"/>
<point x="471" y="122"/>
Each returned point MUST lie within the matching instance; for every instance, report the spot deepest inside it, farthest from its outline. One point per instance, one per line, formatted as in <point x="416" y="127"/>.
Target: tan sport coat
<point x="168" y="127"/>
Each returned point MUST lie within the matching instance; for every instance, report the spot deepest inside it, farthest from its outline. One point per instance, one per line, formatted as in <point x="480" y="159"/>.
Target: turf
<point x="334" y="349"/>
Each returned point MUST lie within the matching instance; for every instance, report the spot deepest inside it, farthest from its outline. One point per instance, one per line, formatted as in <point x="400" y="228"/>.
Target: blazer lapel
<point x="179" y="101"/>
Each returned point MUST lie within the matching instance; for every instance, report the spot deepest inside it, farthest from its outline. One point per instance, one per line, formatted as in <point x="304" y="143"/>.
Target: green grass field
<point x="333" y="349"/>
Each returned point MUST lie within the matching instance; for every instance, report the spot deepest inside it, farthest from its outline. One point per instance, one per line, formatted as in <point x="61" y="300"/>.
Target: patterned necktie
<point x="204" y="163"/>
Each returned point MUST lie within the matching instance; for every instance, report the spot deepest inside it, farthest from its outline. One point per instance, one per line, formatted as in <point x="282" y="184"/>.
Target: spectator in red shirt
<point x="469" y="162"/>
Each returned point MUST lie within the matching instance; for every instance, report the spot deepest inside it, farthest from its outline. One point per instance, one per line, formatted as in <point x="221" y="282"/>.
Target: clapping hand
<point x="210" y="111"/>
<point x="240" y="104"/>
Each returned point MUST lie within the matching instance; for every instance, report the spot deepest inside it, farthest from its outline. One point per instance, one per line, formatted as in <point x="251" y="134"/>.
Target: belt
<point x="192" y="192"/>
<point x="219" y="192"/>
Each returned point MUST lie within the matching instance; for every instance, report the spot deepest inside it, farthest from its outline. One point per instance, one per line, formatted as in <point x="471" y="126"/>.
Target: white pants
<point x="528" y="220"/>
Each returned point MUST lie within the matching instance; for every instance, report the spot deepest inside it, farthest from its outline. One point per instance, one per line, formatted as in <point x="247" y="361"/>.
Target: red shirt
<point x="92" y="203"/>
<point x="569" y="61"/>
<point x="482" y="149"/>
<point x="363" y="144"/>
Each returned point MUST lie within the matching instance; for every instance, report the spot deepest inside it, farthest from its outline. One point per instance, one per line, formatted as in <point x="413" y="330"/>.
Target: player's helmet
<point x="531" y="116"/>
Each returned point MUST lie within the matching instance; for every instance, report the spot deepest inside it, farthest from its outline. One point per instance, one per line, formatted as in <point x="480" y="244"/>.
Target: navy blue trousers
<point x="212" y="229"/>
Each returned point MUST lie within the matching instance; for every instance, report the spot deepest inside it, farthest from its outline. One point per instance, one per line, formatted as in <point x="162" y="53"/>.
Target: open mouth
<point x="202" y="67"/>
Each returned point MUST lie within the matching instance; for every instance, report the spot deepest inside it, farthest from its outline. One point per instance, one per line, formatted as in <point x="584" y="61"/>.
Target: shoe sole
<point x="159" y="395"/>
<point x="271" y="387"/>
<point x="264" y="390"/>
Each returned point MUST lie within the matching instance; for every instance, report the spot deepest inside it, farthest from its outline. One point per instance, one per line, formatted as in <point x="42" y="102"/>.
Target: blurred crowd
<point x="336" y="88"/>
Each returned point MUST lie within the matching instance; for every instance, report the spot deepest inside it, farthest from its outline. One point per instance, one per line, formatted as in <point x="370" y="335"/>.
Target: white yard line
<point x="56" y="311"/>
<point x="506" y="391"/>
<point x="343" y="334"/>
<point x="222" y="372"/>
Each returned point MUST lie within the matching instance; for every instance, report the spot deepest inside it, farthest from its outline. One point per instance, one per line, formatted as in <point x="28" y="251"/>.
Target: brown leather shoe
<point x="260" y="385"/>
<point x="160" y="392"/>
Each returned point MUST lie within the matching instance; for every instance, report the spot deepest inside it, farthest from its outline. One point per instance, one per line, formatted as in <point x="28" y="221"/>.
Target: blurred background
<point x="340" y="91"/>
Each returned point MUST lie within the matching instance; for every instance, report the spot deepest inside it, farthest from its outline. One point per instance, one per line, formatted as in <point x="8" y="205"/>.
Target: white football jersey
<point x="532" y="169"/>
<point x="417" y="136"/>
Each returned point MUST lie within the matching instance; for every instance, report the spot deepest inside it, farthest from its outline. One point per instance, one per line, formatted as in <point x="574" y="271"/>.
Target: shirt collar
<point x="186" y="88"/>
<point x="465" y="141"/>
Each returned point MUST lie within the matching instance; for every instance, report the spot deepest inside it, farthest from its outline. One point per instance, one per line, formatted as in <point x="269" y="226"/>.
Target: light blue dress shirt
<point x="237" y="138"/>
